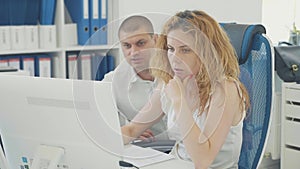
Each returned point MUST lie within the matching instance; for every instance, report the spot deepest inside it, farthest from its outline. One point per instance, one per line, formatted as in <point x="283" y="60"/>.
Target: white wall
<point x="242" y="11"/>
<point x="278" y="17"/>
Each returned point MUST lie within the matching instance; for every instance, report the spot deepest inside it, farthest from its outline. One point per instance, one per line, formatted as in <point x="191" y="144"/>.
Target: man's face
<point x="137" y="48"/>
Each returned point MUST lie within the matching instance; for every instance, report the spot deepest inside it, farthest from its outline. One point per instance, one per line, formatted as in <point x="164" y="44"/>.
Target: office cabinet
<point x="65" y="41"/>
<point x="290" y="140"/>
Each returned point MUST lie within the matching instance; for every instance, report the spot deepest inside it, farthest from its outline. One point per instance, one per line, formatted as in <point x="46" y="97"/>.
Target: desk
<point x="171" y="164"/>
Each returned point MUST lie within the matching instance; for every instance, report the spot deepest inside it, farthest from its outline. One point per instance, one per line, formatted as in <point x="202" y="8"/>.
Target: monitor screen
<point x="72" y="123"/>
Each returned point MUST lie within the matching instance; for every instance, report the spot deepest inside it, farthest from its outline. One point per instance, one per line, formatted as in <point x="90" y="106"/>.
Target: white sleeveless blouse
<point x="228" y="155"/>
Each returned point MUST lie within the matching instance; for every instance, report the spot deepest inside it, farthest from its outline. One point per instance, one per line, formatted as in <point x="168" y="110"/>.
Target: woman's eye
<point x="170" y="49"/>
<point x="186" y="50"/>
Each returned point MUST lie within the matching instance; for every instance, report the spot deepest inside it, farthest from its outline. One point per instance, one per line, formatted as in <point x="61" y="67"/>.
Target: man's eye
<point x="127" y="46"/>
<point x="141" y="43"/>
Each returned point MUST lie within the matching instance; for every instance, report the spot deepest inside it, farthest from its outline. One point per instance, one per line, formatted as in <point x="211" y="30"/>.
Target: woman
<point x="198" y="89"/>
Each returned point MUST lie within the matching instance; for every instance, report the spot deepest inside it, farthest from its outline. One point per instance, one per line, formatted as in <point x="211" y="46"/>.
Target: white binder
<point x="5" y="38"/>
<point x="17" y="37"/>
<point x="47" y="35"/>
<point x="31" y="37"/>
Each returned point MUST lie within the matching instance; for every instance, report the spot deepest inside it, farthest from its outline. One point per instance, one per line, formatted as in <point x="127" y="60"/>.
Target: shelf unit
<point x="290" y="140"/>
<point x="59" y="53"/>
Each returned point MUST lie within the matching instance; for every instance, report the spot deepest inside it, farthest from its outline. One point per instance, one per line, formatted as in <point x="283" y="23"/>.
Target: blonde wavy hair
<point x="212" y="45"/>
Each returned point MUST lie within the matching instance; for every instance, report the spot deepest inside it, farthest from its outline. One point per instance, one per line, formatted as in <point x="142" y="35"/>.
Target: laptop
<point x="58" y="123"/>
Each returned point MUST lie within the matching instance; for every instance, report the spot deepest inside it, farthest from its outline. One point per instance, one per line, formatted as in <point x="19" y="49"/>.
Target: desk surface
<point x="171" y="164"/>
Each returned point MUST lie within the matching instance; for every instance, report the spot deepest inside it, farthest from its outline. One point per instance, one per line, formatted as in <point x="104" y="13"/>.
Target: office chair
<point x="254" y="53"/>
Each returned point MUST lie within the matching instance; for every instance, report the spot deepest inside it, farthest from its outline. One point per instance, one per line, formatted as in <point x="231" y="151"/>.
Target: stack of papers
<point x="141" y="157"/>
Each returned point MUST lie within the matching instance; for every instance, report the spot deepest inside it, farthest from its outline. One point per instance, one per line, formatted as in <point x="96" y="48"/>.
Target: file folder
<point x="47" y="37"/>
<point x="72" y="70"/>
<point x="32" y="12"/>
<point x="17" y="12"/>
<point x="3" y="61"/>
<point x="4" y="25"/>
<point x="47" y="12"/>
<point x="14" y="61"/>
<point x="110" y="63"/>
<point x="5" y="42"/>
<point x="85" y="66"/>
<point x="99" y="66"/>
<point x="27" y="64"/>
<point x="17" y="34"/>
<point x="31" y="37"/>
<point x="4" y="12"/>
<point x="79" y="12"/>
<point x="31" y="21"/>
<point x="102" y="67"/>
<point x="103" y="22"/>
<point x="94" y="20"/>
<point x="43" y="66"/>
<point x="95" y="64"/>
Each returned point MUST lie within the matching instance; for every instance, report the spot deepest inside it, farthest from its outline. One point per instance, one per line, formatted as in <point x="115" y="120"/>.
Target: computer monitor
<point x="72" y="122"/>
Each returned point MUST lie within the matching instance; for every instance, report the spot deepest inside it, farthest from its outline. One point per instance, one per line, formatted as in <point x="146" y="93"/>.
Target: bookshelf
<point x="65" y="41"/>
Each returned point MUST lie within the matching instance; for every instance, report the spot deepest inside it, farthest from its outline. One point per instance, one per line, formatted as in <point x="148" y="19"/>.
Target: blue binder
<point x="79" y="12"/>
<point x="103" y="22"/>
<point x="32" y="12"/>
<point x="110" y="63"/>
<point x="17" y="11"/>
<point x="94" y="22"/>
<point x="99" y="67"/>
<point x="4" y="12"/>
<point x="47" y="12"/>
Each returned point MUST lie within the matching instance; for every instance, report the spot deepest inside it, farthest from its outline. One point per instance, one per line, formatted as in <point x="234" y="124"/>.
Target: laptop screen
<point x="73" y="123"/>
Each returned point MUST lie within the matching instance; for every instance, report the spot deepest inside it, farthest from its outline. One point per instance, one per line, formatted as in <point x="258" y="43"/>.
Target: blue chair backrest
<point x="255" y="59"/>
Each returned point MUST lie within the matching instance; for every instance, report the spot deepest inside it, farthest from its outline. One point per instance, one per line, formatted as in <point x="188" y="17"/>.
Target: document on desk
<point x="141" y="157"/>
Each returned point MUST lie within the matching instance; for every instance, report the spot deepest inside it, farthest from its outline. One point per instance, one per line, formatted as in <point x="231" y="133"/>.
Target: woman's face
<point x="182" y="57"/>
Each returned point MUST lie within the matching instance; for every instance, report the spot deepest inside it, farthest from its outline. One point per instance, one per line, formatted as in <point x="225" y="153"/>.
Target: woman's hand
<point x="147" y="136"/>
<point x="186" y="90"/>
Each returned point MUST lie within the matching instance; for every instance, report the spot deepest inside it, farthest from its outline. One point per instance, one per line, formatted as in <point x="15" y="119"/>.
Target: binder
<point x="84" y="66"/>
<point x="101" y="66"/>
<point x="32" y="14"/>
<point x="4" y="12"/>
<point x="4" y="26"/>
<point x="17" y="12"/>
<point x="31" y="37"/>
<point x="79" y="12"/>
<point x="69" y="35"/>
<point x="94" y="22"/>
<point x="110" y="63"/>
<point x="103" y="22"/>
<point x="72" y="70"/>
<point x="47" y="36"/>
<point x="5" y="42"/>
<point x="27" y="64"/>
<point x="14" y="61"/>
<point x="95" y="64"/>
<point x="47" y="12"/>
<point x="17" y="37"/>
<point x="43" y="66"/>
<point x="3" y="61"/>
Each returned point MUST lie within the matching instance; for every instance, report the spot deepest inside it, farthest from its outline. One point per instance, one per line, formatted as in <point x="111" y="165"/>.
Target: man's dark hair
<point x="136" y="22"/>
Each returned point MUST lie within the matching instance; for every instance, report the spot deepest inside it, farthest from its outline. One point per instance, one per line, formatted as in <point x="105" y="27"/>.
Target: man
<point x="131" y="80"/>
